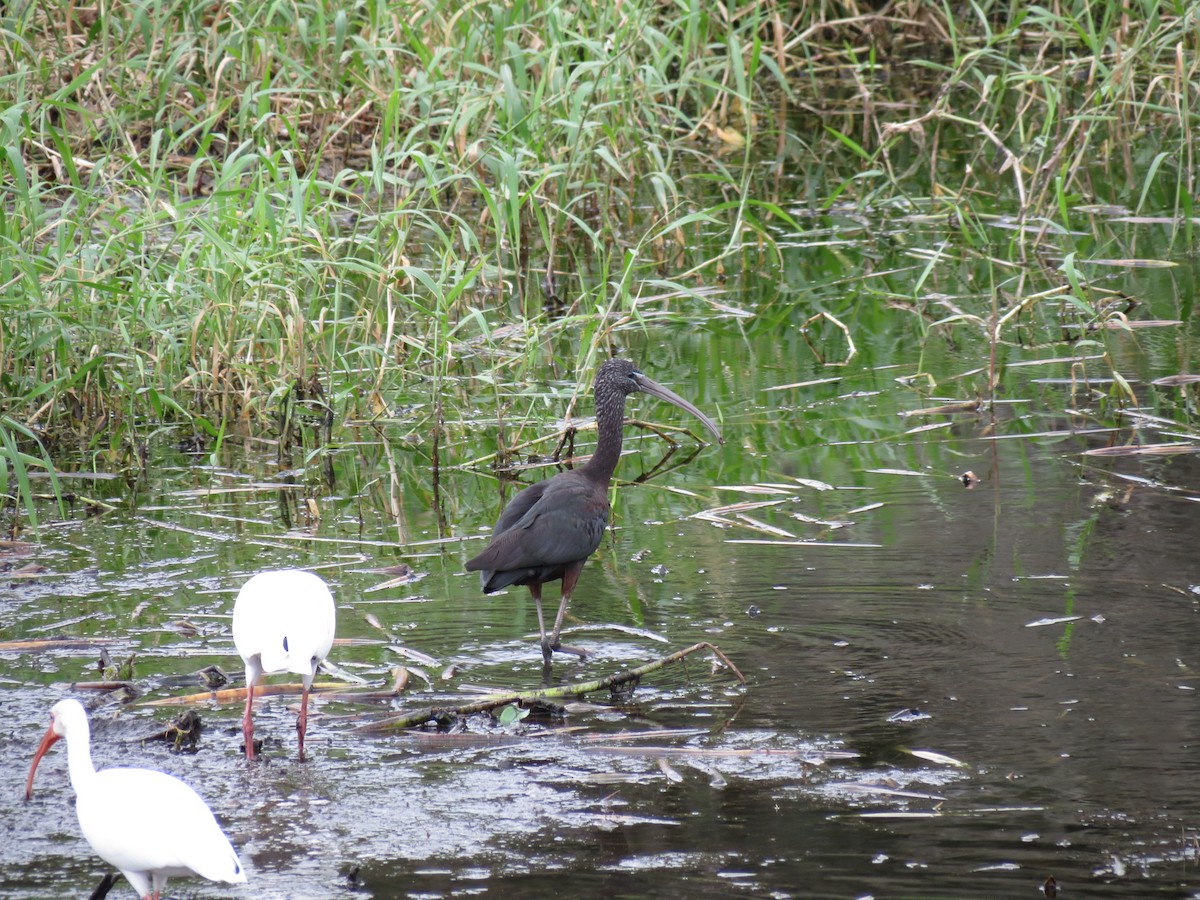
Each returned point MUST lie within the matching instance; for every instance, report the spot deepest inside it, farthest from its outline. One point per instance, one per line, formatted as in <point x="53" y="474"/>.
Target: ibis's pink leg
<point x="248" y="722"/>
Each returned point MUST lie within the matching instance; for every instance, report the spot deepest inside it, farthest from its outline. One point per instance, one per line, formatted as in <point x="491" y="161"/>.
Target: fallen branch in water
<point x="232" y="695"/>
<point x="562" y="692"/>
<point x="39" y="644"/>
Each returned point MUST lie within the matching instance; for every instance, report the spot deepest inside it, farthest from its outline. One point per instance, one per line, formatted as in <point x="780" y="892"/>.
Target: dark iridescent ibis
<point x="547" y="531"/>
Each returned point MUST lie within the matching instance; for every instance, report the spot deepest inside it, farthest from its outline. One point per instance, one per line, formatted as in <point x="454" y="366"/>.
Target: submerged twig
<point x="430" y="713"/>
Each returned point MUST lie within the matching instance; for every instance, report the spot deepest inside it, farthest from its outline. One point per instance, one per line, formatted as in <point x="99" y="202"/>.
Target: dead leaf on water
<point x="1061" y="432"/>
<point x="1102" y="209"/>
<point x="399" y="679"/>
<point x="1124" y="324"/>
<point x="715" y="779"/>
<point x="932" y="426"/>
<point x="415" y="655"/>
<point x="373" y="620"/>
<point x="400" y="570"/>
<point x="332" y="668"/>
<point x="1070" y="360"/>
<point x="743" y="506"/>
<point x="27" y="571"/>
<point x="800" y="384"/>
<point x="624" y="629"/>
<point x="1176" y="380"/>
<point x="824" y="523"/>
<point x="759" y="525"/>
<point x="670" y="771"/>
<point x="1145" y="450"/>
<point x="715" y="519"/>
<point x="866" y="788"/>
<point x="1152" y="220"/>
<point x="656" y="735"/>
<point x="407" y="578"/>
<point x="838" y="544"/>
<point x="1147" y="417"/>
<point x="946" y="409"/>
<point x="1132" y="263"/>
<point x="53" y="644"/>
<point x="749" y="488"/>
<point x="607" y="778"/>
<point x="936" y="758"/>
<point x="814" y="484"/>
<point x="1055" y="620"/>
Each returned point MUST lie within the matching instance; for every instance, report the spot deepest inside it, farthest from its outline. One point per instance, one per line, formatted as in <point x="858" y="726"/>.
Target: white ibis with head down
<point x="283" y="621"/>
<point x="149" y="825"/>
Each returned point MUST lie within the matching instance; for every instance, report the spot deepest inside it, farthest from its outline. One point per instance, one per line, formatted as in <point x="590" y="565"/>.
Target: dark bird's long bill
<point x="654" y="389"/>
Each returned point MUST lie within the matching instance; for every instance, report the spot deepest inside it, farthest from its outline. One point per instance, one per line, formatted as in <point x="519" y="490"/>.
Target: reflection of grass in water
<point x="267" y="222"/>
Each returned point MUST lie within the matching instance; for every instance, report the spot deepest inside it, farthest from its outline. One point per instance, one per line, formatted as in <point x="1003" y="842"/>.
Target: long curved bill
<point x="47" y="742"/>
<point x="654" y="389"/>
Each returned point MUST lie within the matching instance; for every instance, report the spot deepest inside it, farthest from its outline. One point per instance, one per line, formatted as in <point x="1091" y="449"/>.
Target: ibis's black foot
<point x="567" y="648"/>
<point x="548" y="651"/>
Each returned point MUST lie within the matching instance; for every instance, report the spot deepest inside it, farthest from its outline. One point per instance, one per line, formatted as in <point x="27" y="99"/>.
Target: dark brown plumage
<point x="548" y="530"/>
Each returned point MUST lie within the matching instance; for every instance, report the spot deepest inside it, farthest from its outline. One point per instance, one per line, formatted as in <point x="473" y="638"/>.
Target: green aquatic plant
<point x="212" y="214"/>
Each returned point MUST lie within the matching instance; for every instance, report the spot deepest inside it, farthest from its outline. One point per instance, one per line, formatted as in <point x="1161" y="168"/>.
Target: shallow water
<point x="1036" y="635"/>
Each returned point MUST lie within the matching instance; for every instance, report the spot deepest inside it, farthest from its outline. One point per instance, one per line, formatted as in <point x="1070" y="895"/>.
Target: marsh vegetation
<point x="223" y="223"/>
<point x="312" y="283"/>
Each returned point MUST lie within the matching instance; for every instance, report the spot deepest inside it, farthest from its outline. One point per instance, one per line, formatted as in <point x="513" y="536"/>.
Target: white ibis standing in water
<point x="282" y="622"/>
<point x="549" y="529"/>
<point x="149" y="825"/>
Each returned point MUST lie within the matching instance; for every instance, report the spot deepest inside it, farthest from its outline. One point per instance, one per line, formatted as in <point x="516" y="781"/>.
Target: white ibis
<point x="148" y="824"/>
<point x="282" y="622"/>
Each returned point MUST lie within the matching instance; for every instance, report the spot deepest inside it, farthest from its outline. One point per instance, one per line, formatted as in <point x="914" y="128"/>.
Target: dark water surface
<point x="951" y="692"/>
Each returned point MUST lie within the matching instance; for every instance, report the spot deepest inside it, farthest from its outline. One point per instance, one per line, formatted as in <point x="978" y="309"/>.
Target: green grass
<point x="226" y="216"/>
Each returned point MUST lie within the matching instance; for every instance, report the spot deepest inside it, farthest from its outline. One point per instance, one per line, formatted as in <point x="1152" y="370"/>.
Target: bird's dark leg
<point x="248" y="721"/>
<point x="302" y="721"/>
<point x="104" y="887"/>
<point x="569" y="580"/>
<point x="535" y="591"/>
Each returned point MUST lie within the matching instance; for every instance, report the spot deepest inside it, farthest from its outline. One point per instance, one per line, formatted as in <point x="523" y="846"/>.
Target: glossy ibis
<point x="549" y="529"/>
<point x="149" y="825"/>
<point x="283" y="621"/>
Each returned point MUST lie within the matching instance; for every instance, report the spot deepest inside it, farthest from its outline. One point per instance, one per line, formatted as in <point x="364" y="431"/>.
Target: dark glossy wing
<point x="519" y="505"/>
<point x="563" y="523"/>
